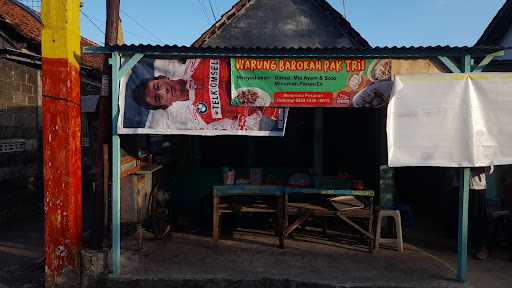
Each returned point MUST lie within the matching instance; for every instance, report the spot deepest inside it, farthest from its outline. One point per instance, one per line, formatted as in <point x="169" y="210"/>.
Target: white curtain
<point x="450" y="120"/>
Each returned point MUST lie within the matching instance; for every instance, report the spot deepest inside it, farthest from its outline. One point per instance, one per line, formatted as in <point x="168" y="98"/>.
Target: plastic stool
<point x="398" y="228"/>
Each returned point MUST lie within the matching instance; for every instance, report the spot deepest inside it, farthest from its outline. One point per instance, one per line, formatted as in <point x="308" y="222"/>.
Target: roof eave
<point x="275" y="52"/>
<point x="496" y="29"/>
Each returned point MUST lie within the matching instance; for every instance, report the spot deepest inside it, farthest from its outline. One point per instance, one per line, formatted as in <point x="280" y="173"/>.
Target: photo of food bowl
<point x="251" y="96"/>
<point x="380" y="70"/>
<point x="374" y="96"/>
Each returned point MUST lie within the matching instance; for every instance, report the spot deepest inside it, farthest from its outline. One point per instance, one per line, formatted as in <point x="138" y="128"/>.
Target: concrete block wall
<point x="19" y="119"/>
<point x="19" y="140"/>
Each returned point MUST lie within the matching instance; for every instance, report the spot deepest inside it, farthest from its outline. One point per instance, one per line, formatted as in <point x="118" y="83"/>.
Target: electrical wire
<point x="142" y="27"/>
<point x="213" y="12"/>
<point x="345" y="10"/>
<point x="124" y="30"/>
<point x="205" y="13"/>
<point x="93" y="23"/>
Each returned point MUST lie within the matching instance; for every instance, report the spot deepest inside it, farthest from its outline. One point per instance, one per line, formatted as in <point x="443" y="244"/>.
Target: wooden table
<point x="248" y="191"/>
<point x="136" y="188"/>
<point x="305" y="211"/>
<point x="282" y="208"/>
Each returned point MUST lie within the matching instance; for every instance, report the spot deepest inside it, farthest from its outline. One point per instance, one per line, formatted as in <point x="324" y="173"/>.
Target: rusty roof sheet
<point x="28" y="24"/>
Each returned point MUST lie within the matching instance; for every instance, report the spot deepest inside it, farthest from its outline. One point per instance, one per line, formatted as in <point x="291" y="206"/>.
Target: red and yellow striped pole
<point x="61" y="141"/>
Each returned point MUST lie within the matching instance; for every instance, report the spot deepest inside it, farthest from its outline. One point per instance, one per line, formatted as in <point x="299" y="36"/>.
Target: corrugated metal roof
<point x="27" y="23"/>
<point x="267" y="52"/>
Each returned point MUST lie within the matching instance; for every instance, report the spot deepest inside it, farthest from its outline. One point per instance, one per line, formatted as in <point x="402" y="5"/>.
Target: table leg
<point x="285" y="211"/>
<point x="370" y="225"/>
<point x="351" y="223"/>
<point x="296" y="224"/>
<point x="138" y="182"/>
<point x="280" y="221"/>
<point x="216" y="216"/>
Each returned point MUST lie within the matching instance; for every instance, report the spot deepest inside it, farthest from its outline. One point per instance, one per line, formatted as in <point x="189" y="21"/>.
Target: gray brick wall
<point x="19" y="86"/>
<point x="20" y="150"/>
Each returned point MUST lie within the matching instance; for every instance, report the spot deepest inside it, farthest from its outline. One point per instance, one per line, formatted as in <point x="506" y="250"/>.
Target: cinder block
<point x="20" y="74"/>
<point x="12" y="86"/>
<point x="32" y="78"/>
<point x="19" y="99"/>
<point x="27" y="89"/>
<point x="32" y="100"/>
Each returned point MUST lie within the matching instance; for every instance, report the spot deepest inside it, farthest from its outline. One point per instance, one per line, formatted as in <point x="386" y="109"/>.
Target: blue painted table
<point x="304" y="211"/>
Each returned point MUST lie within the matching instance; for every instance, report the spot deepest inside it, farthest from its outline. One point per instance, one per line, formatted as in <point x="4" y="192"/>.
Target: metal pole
<point x="462" y="258"/>
<point x="61" y="141"/>
<point x="116" y="169"/>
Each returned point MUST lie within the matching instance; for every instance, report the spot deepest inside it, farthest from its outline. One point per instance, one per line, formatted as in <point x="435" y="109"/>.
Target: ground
<point x="21" y="254"/>
<point x="253" y="256"/>
<point x="495" y="272"/>
<point x="251" y="259"/>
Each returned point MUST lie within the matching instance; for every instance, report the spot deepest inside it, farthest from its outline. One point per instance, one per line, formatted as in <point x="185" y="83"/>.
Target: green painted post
<point x="116" y="169"/>
<point x="462" y="258"/>
<point x="480" y="67"/>
<point x="492" y="189"/>
<point x="449" y="64"/>
<point x="117" y="73"/>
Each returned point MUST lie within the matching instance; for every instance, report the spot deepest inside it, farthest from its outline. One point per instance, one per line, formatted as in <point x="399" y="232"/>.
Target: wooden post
<point x="216" y="216"/>
<point x="285" y="212"/>
<point x="105" y="187"/>
<point x="103" y="133"/>
<point x="61" y="141"/>
<point x="280" y="220"/>
<point x="112" y="24"/>
<point x="370" y="225"/>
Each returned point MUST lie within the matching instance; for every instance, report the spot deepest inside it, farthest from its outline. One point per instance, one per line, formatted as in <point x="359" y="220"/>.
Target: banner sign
<point x="192" y="96"/>
<point x="310" y="82"/>
<point x="450" y="120"/>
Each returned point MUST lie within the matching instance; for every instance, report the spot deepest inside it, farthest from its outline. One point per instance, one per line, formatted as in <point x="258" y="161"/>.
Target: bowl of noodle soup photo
<point x="251" y="96"/>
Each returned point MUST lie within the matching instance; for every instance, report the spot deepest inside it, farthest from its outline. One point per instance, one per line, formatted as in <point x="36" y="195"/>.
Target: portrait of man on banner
<point x="190" y="96"/>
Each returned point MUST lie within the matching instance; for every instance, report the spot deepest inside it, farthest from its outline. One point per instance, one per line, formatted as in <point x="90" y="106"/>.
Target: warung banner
<point x="310" y="82"/>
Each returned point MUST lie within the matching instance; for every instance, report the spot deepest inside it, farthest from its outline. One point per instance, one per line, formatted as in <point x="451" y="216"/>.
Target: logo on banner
<point x="202" y="108"/>
<point x="214" y="89"/>
<point x="343" y="99"/>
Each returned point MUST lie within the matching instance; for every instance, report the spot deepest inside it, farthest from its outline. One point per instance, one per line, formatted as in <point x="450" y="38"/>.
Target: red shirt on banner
<point x="212" y="99"/>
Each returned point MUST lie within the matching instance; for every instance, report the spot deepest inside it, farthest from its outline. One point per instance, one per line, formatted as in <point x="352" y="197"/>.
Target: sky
<point x="381" y="22"/>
